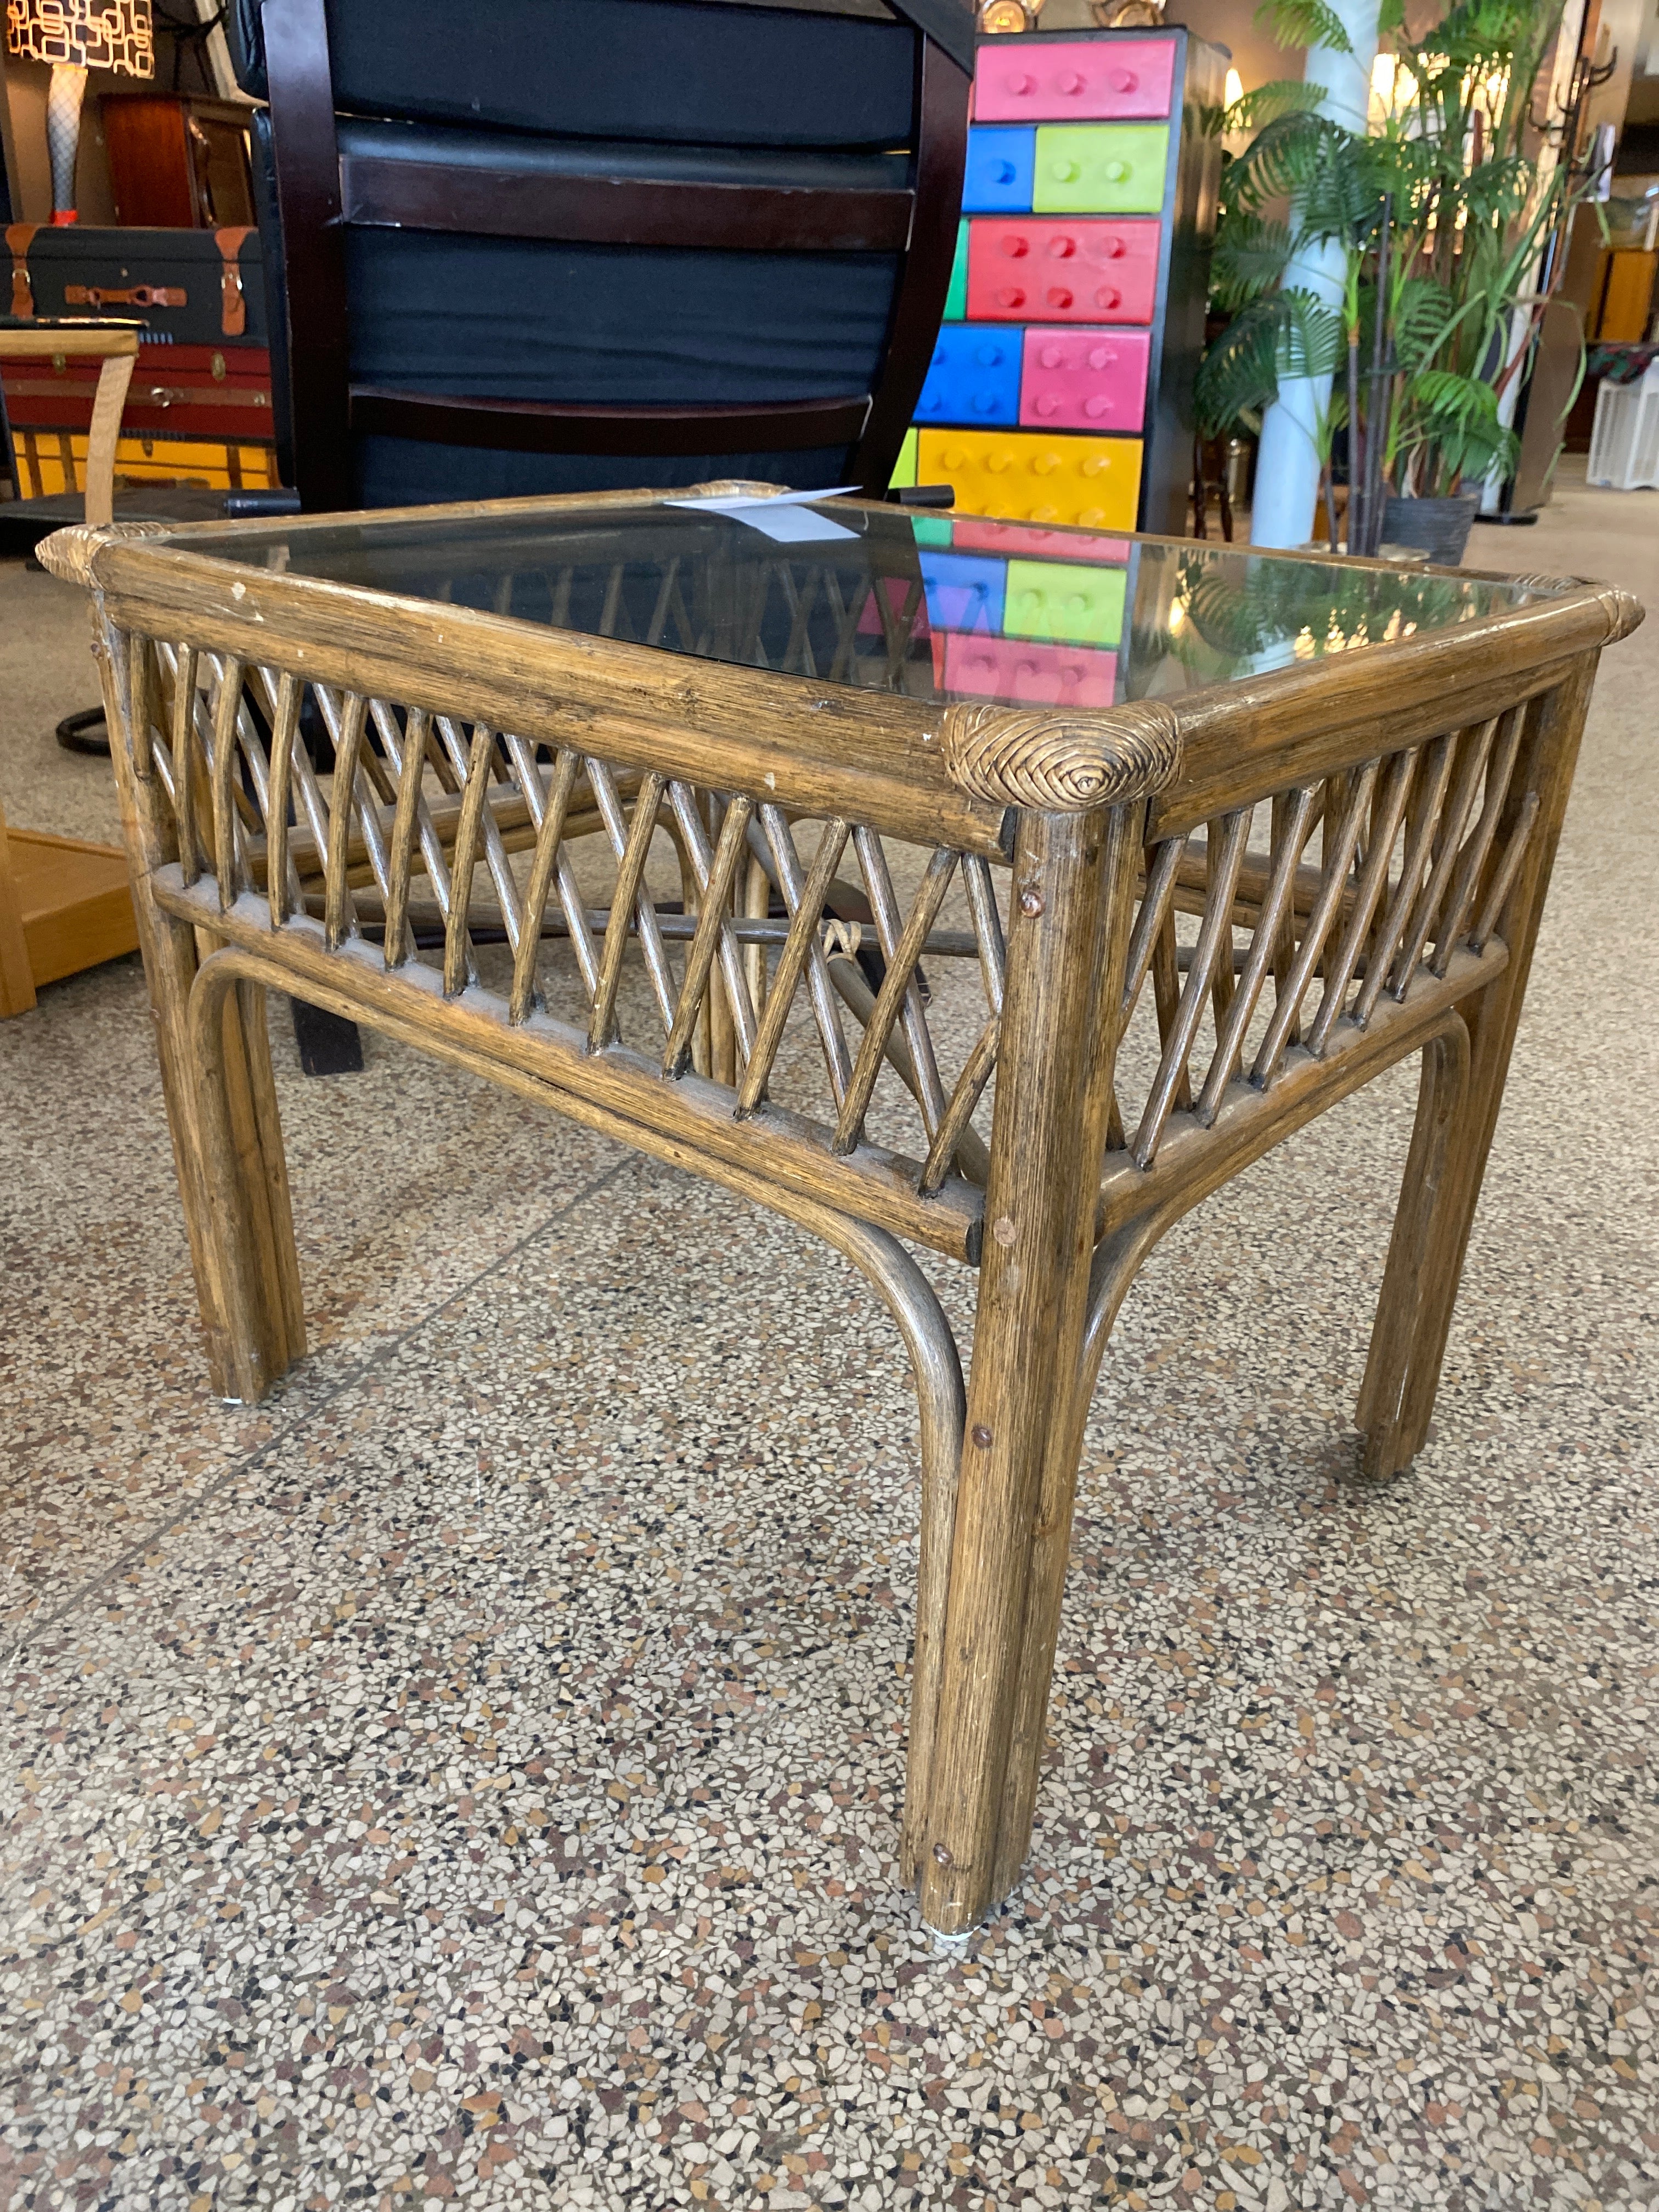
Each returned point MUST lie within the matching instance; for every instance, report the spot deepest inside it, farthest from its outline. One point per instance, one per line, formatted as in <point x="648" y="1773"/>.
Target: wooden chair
<point x="65" y="905"/>
<point x="667" y="243"/>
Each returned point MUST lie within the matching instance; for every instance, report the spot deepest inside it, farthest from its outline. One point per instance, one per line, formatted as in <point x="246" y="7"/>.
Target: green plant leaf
<point x="1283" y="159"/>
<point x="1250" y="257"/>
<point x="1305" y="23"/>
<point x="1267" y="102"/>
<point x="1282" y="334"/>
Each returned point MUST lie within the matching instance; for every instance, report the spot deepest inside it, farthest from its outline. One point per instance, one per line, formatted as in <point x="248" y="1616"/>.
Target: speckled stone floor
<point x="473" y="1773"/>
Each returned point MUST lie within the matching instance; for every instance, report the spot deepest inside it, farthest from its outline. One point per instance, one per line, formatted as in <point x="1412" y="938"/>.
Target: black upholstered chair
<point x="544" y="245"/>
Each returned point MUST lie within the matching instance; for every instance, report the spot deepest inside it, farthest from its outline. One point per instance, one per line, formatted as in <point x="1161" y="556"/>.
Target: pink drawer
<point x="1025" y="269"/>
<point x="1084" y="379"/>
<point x="971" y="533"/>
<point x="1028" y="674"/>
<point x="1073" y="80"/>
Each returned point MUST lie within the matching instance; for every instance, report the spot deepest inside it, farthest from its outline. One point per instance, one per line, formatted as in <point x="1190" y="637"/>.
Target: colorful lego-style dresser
<point x="1061" y="388"/>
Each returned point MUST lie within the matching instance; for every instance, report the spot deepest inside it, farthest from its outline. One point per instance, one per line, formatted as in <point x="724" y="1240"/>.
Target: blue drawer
<point x="1001" y="165"/>
<point x="964" y="591"/>
<point x="973" y="377"/>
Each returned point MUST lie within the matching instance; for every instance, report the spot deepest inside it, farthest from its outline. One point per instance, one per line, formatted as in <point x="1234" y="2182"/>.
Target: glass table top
<point x="935" y="605"/>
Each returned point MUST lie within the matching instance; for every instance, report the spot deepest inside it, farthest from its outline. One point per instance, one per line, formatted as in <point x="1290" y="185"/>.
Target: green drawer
<point x="1064" y="601"/>
<point x="1100" y="168"/>
<point x="956" y="300"/>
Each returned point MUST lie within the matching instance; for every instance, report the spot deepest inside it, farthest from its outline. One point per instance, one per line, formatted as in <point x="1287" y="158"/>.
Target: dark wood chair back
<point x="542" y="245"/>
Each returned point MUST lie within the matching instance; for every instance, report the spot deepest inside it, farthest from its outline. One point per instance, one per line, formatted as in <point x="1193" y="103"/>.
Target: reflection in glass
<point x="936" y="607"/>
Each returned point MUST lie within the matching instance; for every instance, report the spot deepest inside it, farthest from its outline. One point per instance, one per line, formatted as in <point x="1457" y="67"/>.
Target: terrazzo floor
<point x="473" y="1773"/>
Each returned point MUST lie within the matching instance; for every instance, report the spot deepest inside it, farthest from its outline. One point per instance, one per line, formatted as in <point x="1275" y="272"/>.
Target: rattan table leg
<point x="1425" y="1262"/>
<point x="1045" y="1156"/>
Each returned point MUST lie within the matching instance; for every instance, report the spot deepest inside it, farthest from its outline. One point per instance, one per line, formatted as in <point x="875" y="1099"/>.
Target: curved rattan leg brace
<point x="935" y="1364"/>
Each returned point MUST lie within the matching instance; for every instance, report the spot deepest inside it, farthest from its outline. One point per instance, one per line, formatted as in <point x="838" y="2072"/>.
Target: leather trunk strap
<point x="135" y="296"/>
<point x="232" y="301"/>
<point x="18" y="238"/>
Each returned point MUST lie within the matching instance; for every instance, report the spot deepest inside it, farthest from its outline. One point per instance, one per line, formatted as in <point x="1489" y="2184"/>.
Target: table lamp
<point x="75" y="36"/>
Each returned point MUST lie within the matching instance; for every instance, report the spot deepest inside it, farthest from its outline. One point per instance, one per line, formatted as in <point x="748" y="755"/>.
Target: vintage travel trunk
<point x="199" y="408"/>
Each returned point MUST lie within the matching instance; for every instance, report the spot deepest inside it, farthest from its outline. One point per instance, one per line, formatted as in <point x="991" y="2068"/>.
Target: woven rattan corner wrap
<point x="69" y="553"/>
<point x="1062" y="763"/>
<point x="1226" y="912"/>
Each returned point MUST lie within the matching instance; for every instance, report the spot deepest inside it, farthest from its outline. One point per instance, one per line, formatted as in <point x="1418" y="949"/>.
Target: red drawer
<point x="1026" y="673"/>
<point x="1073" y="379"/>
<point x="177" y="391"/>
<point x="1073" y="80"/>
<point x="1023" y="269"/>
<point x="973" y="533"/>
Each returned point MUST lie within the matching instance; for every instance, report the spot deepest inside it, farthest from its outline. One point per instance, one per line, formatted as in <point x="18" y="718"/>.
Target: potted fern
<point x="1441" y="210"/>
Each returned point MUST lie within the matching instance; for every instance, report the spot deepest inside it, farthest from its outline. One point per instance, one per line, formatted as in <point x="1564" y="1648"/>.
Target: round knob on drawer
<point x="1096" y="407"/>
<point x="1091" y="518"/>
<point x="1052" y="356"/>
<point x="1016" y="246"/>
<point x="1062" y="247"/>
<point x="1065" y="173"/>
<point x="1101" y="356"/>
<point x="1059" y="296"/>
<point x="1002" y="172"/>
<point x="1121" y="79"/>
<point x="990" y="355"/>
<point x="1107" y="296"/>
<point x="1071" y="81"/>
<point x="1044" y="465"/>
<point x="1012" y="296"/>
<point x="1112" y="248"/>
<point x="1116" y="173"/>
<point x="984" y="402"/>
<point x="1045" y="515"/>
<point x="996" y="463"/>
<point x="1019" y="83"/>
<point x="1047" y="405"/>
<point x="1096" y="465"/>
<point x="954" y="458"/>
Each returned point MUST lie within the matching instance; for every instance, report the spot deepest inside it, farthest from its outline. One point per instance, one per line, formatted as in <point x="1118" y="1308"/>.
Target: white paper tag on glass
<point x="784" y="517"/>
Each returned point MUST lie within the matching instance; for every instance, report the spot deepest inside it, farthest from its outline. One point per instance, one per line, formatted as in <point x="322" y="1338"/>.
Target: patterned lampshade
<point x="106" y="34"/>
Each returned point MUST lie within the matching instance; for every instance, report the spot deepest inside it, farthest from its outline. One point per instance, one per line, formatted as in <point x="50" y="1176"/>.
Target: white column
<point x="1287" y="466"/>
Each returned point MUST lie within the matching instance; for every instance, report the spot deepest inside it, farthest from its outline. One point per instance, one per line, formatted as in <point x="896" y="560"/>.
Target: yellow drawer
<point x="1022" y="475"/>
<point x="53" y="461"/>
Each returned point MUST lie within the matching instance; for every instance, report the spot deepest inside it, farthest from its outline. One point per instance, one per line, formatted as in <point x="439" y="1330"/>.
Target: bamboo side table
<point x="1311" y="837"/>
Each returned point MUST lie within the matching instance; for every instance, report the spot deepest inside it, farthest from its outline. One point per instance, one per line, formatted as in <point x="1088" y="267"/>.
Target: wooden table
<point x="1312" y="836"/>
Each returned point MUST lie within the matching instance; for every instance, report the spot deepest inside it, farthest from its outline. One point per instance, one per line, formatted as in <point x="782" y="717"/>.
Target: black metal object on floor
<point x="85" y="732"/>
<point x="328" y="1045"/>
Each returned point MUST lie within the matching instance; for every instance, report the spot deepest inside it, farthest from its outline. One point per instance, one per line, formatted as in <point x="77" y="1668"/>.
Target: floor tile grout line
<point x="249" y="1460"/>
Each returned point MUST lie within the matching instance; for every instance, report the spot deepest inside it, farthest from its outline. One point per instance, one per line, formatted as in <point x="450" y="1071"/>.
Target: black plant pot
<point x="1438" y="527"/>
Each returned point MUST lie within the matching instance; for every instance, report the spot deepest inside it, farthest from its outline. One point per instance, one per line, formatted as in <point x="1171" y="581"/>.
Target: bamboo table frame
<point x="1435" y="766"/>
